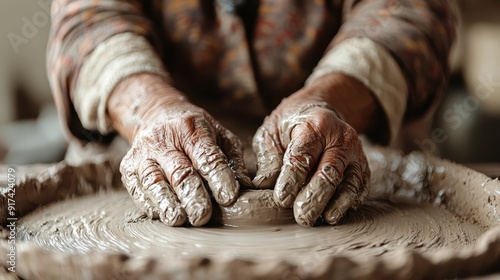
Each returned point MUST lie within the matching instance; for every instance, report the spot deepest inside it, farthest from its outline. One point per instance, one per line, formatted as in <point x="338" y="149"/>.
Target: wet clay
<point x="90" y="224"/>
<point x="424" y="218"/>
<point x="253" y="208"/>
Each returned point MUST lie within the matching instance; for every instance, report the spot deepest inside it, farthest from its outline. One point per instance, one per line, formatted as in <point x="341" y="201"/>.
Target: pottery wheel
<point x="111" y="222"/>
<point x="416" y="204"/>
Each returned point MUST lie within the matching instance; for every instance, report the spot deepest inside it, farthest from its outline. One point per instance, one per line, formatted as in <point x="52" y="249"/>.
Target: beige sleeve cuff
<point x="116" y="58"/>
<point x="375" y="67"/>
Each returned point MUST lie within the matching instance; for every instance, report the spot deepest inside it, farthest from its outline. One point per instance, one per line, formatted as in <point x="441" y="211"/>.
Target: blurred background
<point x="29" y="128"/>
<point x="465" y="127"/>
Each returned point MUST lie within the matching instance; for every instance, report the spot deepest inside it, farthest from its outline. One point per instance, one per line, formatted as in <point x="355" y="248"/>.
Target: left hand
<point x="312" y="158"/>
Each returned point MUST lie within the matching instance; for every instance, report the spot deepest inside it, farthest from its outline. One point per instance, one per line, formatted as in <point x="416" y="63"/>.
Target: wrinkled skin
<point x="164" y="168"/>
<point x="312" y="158"/>
<point x="175" y="146"/>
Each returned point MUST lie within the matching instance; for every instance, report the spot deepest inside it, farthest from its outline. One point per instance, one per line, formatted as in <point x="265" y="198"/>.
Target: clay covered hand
<point x="313" y="159"/>
<point x="177" y="146"/>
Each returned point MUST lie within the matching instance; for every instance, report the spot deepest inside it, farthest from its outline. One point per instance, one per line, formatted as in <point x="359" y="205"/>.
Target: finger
<point x="211" y="163"/>
<point x="300" y="157"/>
<point x="159" y="192"/>
<point x="188" y="186"/>
<point x="364" y="189"/>
<point x="232" y="148"/>
<point x="132" y="184"/>
<point x="313" y="199"/>
<point x="269" y="154"/>
<point x="346" y="196"/>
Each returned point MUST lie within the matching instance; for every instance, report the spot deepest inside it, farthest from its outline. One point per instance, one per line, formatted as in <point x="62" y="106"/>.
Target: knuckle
<point x="191" y="188"/>
<point x="350" y="138"/>
<point x="351" y="186"/>
<point x="150" y="175"/>
<point x="350" y="132"/>
<point x="190" y="119"/>
<point x="193" y="126"/>
<point x="180" y="173"/>
<point x="338" y="157"/>
<point x="203" y="125"/>
<point x="299" y="160"/>
<point x="331" y="173"/>
<point x="210" y="155"/>
<point x="354" y="170"/>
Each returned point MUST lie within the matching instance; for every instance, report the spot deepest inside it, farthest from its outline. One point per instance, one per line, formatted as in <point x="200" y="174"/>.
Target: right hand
<point x="174" y="148"/>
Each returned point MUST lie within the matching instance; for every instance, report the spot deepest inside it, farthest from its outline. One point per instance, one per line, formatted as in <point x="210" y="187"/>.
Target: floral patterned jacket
<point x="250" y="54"/>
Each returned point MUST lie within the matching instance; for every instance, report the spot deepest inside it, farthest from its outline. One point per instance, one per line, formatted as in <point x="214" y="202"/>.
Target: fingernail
<point x="335" y="216"/>
<point x="225" y="198"/>
<point x="225" y="187"/>
<point x="223" y="195"/>
<point x="264" y="181"/>
<point x="200" y="215"/>
<point x="305" y="220"/>
<point x="304" y="215"/>
<point x="284" y="199"/>
<point x="174" y="216"/>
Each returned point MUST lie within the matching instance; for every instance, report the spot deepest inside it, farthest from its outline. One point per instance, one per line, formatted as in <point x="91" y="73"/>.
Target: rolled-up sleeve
<point x="398" y="49"/>
<point x="92" y="46"/>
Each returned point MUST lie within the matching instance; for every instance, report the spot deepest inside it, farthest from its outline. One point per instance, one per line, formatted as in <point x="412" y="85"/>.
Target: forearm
<point x="79" y="28"/>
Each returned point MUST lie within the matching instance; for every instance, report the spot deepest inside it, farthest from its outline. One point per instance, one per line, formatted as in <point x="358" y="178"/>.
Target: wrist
<point x="138" y="100"/>
<point x="349" y="98"/>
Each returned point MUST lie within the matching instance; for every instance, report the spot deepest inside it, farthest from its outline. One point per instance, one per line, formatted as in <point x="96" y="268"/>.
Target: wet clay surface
<point x="253" y="208"/>
<point x="424" y="218"/>
<point x="111" y="223"/>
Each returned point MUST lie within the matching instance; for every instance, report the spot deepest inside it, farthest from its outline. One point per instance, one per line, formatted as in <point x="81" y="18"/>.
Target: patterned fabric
<point x="253" y="55"/>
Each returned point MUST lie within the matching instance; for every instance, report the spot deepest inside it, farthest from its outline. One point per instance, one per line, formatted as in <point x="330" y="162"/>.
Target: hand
<point x="174" y="148"/>
<point x="312" y="158"/>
